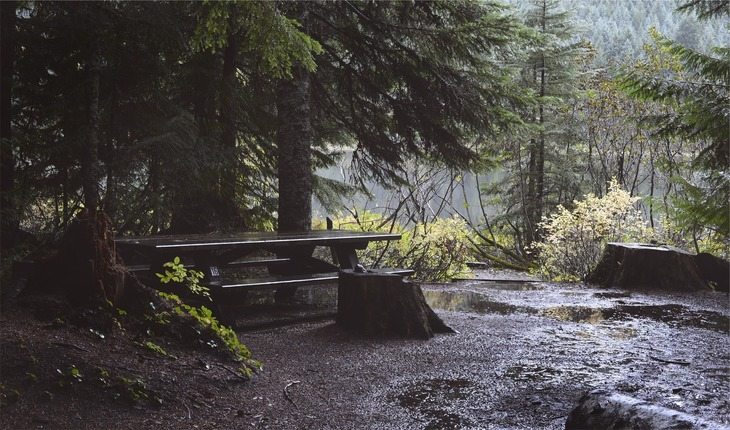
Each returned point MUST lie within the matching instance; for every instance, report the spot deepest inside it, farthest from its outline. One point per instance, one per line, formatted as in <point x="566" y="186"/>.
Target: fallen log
<point x="604" y="410"/>
<point x="647" y="266"/>
<point x="376" y="304"/>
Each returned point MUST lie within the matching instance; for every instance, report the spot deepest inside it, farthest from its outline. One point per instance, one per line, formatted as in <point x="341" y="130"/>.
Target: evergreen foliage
<point x="698" y="93"/>
<point x="397" y="80"/>
<point x="705" y="9"/>
<point x="539" y="151"/>
<point x="618" y="30"/>
<point x="172" y="111"/>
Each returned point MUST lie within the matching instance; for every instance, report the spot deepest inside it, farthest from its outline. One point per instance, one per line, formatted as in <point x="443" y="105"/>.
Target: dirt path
<point x="524" y="354"/>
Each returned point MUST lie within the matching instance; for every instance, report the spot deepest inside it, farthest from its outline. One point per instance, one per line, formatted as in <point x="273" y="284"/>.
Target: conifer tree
<point x="699" y="96"/>
<point x="542" y="169"/>
<point x="400" y="79"/>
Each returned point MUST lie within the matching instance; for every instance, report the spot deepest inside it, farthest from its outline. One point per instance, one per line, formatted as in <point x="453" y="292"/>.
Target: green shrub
<point x="202" y="315"/>
<point x="176" y="272"/>
<point x="573" y="240"/>
<point x="437" y="250"/>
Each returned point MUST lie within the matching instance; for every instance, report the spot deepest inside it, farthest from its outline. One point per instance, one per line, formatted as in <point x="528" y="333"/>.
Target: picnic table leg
<point x="209" y="265"/>
<point x="298" y="257"/>
<point x="346" y="257"/>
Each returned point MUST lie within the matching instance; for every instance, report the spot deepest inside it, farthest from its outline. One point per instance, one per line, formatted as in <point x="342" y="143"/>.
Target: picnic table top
<point x="253" y="239"/>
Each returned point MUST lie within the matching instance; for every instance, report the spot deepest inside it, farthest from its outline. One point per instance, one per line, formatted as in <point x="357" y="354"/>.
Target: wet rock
<point x="611" y="411"/>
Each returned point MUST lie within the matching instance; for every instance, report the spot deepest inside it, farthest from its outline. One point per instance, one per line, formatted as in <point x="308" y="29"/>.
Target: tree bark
<point x="294" y="140"/>
<point x="90" y="155"/>
<point x="86" y="268"/>
<point x="229" y="209"/>
<point x="645" y="266"/>
<point x="714" y="270"/>
<point x="383" y="304"/>
<point x="8" y="209"/>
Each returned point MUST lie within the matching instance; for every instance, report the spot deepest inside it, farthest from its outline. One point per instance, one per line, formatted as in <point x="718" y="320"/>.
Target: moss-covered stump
<point x="87" y="282"/>
<point x="379" y="304"/>
<point x="646" y="266"/>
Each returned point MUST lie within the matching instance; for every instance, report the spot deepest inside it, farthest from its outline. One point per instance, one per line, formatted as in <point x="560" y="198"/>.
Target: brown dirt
<point x="506" y="369"/>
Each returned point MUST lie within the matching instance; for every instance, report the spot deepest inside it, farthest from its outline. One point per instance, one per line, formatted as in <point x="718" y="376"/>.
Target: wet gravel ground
<point x="524" y="354"/>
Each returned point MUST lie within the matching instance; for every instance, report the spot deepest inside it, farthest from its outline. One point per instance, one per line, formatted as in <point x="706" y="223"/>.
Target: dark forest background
<point x="181" y="117"/>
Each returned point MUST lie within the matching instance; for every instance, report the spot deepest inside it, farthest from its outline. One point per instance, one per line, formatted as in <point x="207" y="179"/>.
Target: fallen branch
<point x="499" y="261"/>
<point x="286" y="393"/>
<point x="70" y="345"/>
<point x="231" y="371"/>
<point x="664" y="360"/>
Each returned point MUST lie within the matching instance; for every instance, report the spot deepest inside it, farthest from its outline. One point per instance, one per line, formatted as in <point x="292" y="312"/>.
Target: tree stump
<point x="637" y="265"/>
<point x="382" y="304"/>
<point x="86" y="268"/>
<point x="715" y="270"/>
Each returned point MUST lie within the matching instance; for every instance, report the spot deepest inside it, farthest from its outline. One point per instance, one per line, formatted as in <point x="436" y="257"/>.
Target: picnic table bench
<point x="291" y="265"/>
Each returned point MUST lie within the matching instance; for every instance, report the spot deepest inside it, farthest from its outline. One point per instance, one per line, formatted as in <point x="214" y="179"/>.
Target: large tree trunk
<point x="383" y="304"/>
<point x="229" y="213"/>
<point x="8" y="209"/>
<point x="90" y="154"/>
<point x="636" y="265"/>
<point x="294" y="140"/>
<point x="194" y="192"/>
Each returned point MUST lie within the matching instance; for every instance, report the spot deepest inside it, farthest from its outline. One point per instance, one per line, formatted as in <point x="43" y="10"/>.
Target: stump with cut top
<point x="377" y="304"/>
<point x="648" y="266"/>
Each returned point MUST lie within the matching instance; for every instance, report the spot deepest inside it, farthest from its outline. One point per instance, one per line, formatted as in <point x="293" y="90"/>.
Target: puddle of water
<point x="579" y="314"/>
<point x="673" y="315"/>
<point x="612" y="295"/>
<point x="433" y="398"/>
<point x="574" y="293"/>
<point x="467" y="301"/>
<point x="531" y="372"/>
<point x="623" y="333"/>
<point x="509" y="286"/>
<point x="676" y="316"/>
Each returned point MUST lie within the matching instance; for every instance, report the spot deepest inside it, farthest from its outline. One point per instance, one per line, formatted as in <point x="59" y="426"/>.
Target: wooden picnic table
<point x="293" y="263"/>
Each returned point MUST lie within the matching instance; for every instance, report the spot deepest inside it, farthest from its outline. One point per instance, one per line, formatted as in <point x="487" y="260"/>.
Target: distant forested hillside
<point x="619" y="28"/>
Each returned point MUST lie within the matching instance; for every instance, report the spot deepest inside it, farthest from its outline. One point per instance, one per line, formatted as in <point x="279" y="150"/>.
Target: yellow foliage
<point x="437" y="251"/>
<point x="574" y="239"/>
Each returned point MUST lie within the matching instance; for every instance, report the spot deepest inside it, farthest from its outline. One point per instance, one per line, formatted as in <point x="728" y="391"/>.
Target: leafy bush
<point x="176" y="272"/>
<point x="437" y="250"/>
<point x="216" y="333"/>
<point x="574" y="239"/>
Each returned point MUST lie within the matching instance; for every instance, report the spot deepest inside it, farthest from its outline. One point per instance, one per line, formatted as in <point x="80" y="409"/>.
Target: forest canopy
<point x="180" y="117"/>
